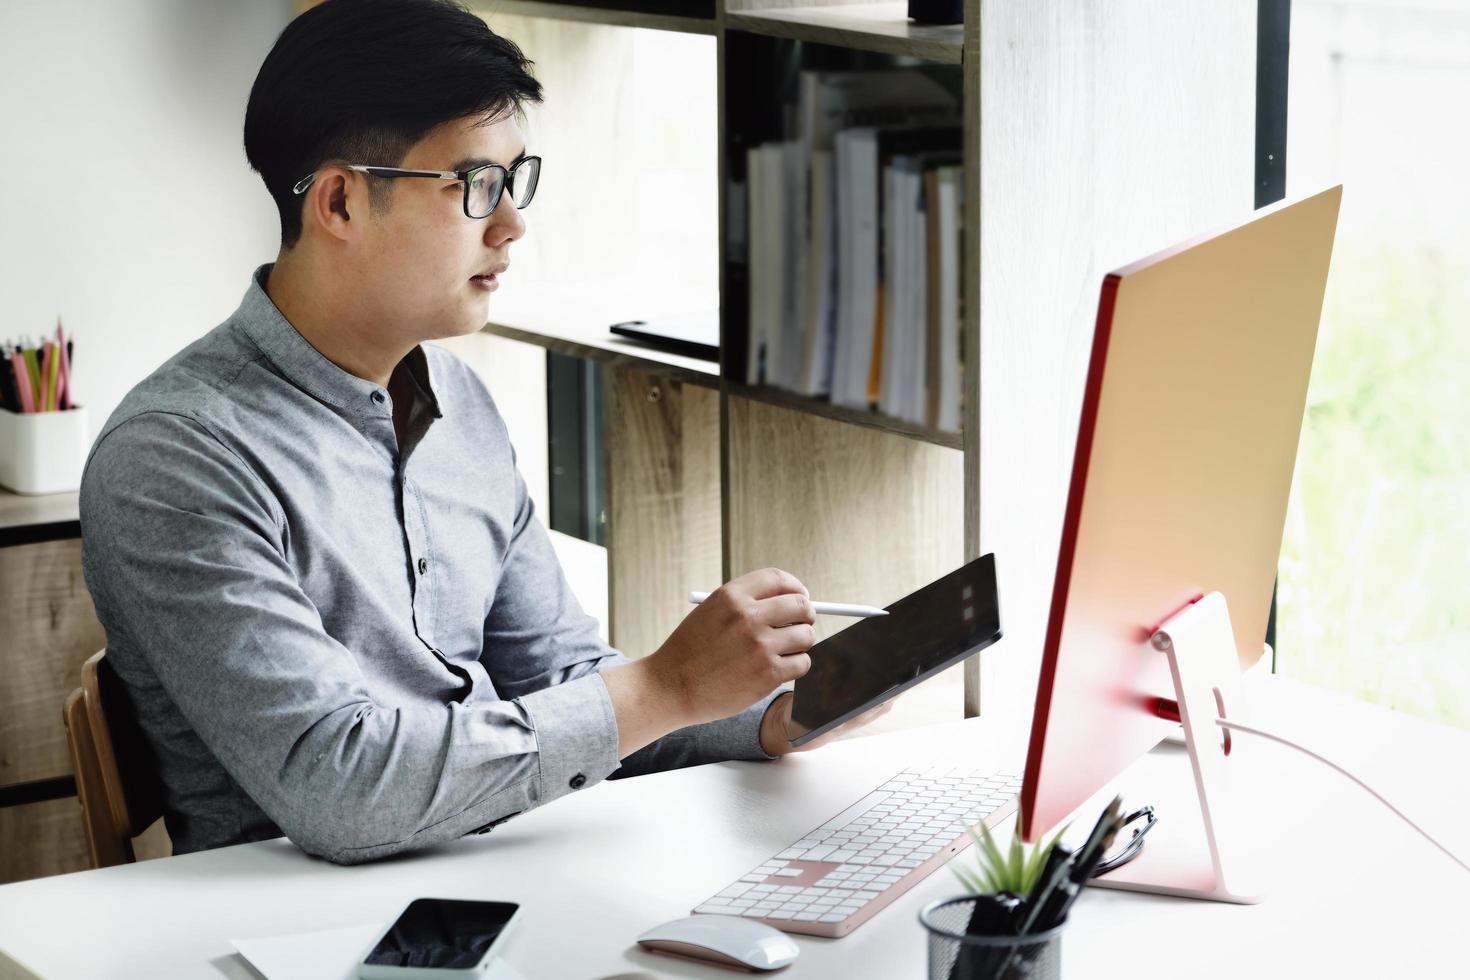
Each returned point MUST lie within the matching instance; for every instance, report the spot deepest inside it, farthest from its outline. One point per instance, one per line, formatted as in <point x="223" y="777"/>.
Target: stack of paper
<point x="330" y="954"/>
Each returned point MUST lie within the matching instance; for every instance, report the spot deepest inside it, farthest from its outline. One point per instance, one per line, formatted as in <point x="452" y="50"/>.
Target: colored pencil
<point x="65" y="346"/>
<point x="44" y="401"/>
<point x="22" y="382"/>
<point x="33" y="373"/>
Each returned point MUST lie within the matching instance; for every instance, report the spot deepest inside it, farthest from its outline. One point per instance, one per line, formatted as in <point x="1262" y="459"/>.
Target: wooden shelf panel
<point x="43" y="517"/>
<point x="614" y="351"/>
<point x="841" y="413"/>
<point x="575" y="321"/>
<point x="595" y="15"/>
<point x="881" y="27"/>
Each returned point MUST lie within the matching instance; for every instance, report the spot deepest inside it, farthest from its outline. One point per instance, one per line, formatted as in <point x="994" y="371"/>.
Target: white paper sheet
<point x="330" y="954"/>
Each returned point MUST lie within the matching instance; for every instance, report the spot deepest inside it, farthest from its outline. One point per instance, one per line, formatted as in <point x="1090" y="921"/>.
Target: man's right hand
<point x="749" y="637"/>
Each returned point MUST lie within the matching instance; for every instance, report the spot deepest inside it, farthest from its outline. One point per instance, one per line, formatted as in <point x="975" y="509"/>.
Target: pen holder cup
<point x="956" y="955"/>
<point x="43" y="452"/>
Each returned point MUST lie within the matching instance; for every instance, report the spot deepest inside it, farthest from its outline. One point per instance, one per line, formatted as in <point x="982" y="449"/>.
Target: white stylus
<point x="822" y="608"/>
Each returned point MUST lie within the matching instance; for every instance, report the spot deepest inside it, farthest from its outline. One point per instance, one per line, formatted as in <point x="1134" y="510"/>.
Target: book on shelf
<point x="821" y="281"/>
<point x="899" y="211"/>
<point x="789" y="342"/>
<point x="771" y="228"/>
<point x="906" y="156"/>
<point x="946" y="205"/>
<point x="851" y="296"/>
<point x="858" y="288"/>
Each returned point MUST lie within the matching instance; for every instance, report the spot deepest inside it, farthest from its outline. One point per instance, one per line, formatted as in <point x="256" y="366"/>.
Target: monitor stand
<point x="1201" y="846"/>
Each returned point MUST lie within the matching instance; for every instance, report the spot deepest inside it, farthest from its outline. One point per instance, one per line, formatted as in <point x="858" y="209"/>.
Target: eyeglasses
<point x="482" y="185"/>
<point x="1131" y="849"/>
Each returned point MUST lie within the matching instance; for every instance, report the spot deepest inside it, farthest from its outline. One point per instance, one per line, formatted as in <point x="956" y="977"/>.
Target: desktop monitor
<point x="1189" y="427"/>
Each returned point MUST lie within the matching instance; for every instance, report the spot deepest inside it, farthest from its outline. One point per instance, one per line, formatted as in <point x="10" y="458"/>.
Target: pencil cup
<point x="43" y="452"/>
<point x="956" y="955"/>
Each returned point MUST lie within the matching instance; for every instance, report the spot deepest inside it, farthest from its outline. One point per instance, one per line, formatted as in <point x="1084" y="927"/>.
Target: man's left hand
<point x="777" y="733"/>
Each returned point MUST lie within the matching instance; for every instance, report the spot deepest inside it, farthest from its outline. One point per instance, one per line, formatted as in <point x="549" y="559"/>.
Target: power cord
<point x="1259" y="733"/>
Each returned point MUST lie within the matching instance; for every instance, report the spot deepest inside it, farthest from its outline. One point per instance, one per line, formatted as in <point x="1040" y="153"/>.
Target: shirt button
<point x="378" y="397"/>
<point x="578" y="781"/>
<point x="423" y="565"/>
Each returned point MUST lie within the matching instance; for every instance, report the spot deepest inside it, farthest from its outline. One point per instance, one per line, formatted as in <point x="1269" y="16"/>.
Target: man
<point x="323" y="585"/>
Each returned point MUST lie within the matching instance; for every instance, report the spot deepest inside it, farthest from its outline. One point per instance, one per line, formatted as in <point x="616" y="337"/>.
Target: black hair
<point x="362" y="81"/>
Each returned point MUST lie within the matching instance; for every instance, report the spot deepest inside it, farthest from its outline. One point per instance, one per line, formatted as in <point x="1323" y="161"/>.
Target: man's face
<point x="421" y="257"/>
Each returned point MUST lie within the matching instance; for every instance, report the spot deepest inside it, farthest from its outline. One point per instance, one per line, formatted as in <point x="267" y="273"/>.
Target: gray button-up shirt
<point x="368" y="647"/>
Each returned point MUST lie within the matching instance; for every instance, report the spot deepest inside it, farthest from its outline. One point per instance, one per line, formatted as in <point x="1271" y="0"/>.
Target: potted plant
<point x="1010" y="925"/>
<point x="989" y="933"/>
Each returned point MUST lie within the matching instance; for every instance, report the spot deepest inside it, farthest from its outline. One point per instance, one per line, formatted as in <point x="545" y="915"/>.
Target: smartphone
<point x="440" y="938"/>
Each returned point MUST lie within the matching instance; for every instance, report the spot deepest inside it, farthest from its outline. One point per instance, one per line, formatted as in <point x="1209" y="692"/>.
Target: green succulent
<point x="1014" y="871"/>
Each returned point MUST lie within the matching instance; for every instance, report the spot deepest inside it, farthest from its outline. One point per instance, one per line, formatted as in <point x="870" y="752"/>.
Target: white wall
<point x="126" y="203"/>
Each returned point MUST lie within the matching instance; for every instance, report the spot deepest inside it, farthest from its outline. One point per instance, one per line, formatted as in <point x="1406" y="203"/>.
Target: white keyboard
<point x="836" y="877"/>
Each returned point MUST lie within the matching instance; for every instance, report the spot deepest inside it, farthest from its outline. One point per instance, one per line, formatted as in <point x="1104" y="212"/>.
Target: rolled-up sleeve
<point x="185" y="555"/>
<point x="538" y="635"/>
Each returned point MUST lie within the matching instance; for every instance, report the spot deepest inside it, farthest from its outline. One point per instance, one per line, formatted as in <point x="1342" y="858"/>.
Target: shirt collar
<point x="417" y="363"/>
<point x="304" y="365"/>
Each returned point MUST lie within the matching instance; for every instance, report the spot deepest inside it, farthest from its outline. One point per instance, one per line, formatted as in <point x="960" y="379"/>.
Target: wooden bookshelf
<point x="1083" y="149"/>
<point x="841" y="413"/>
<point x="597" y="15"/>
<point x="880" y="27"/>
<point x="588" y="339"/>
<point x="574" y="320"/>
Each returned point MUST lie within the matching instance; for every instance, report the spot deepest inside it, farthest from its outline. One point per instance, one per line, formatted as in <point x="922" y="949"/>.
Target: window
<point x="1374" y="589"/>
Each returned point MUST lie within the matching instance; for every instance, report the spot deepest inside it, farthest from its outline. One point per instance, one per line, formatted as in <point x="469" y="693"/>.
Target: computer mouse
<point x="725" y="939"/>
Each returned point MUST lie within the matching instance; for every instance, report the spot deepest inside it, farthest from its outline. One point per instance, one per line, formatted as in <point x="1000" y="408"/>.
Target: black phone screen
<point x="442" y="932"/>
<point x="874" y="659"/>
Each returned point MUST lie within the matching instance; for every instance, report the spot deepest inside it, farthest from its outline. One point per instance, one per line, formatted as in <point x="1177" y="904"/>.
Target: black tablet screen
<point x="874" y="659"/>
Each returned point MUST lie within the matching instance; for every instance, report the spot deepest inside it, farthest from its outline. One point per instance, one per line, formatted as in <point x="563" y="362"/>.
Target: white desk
<point x="1357" y="896"/>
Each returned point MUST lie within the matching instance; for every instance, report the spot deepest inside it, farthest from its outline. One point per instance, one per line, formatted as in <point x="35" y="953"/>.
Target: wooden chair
<point x="117" y="781"/>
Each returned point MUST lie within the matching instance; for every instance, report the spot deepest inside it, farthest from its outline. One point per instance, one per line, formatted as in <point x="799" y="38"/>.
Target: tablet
<point x="876" y="659"/>
<point x="691" y="334"/>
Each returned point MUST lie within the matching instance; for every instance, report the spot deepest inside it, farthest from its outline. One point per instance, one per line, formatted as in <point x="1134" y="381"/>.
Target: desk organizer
<point x="43" y="452"/>
<point x="955" y="954"/>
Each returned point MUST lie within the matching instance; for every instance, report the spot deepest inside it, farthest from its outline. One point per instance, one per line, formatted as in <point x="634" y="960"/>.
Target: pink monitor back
<point x="1188" y="436"/>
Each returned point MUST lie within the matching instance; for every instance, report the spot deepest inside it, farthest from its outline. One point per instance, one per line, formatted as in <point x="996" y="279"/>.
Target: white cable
<point x="1237" y="726"/>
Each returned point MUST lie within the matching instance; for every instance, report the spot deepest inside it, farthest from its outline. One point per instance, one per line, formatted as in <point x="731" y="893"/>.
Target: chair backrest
<point x="117" y="781"/>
